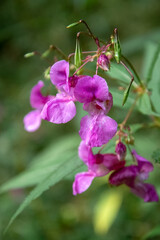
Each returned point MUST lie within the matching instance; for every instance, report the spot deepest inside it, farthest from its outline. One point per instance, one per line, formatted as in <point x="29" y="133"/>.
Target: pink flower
<point x="98" y="165"/>
<point x="61" y="109"/>
<point x="32" y="120"/>
<point x="89" y="89"/>
<point x="133" y="176"/>
<point x="97" y="130"/>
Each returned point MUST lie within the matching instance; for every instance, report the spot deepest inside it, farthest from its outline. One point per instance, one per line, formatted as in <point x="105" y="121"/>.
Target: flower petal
<point x="37" y="100"/>
<point x="145" y="191"/>
<point x="144" y="165"/>
<point x="59" y="73"/>
<point x="85" y="152"/>
<point x="111" y="162"/>
<point x="82" y="182"/>
<point x="89" y="89"/>
<point x="59" y="110"/>
<point x="125" y="175"/>
<point x="32" y="121"/>
<point x="97" y="130"/>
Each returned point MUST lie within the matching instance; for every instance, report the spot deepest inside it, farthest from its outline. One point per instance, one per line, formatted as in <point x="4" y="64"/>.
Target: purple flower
<point x="61" y="109"/>
<point x="59" y="75"/>
<point x="32" y="120"/>
<point x="98" y="165"/>
<point x="96" y="106"/>
<point x="89" y="89"/>
<point x="133" y="176"/>
<point x="97" y="130"/>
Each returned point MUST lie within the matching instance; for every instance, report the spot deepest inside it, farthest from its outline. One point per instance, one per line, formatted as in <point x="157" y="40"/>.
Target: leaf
<point x="154" y="83"/>
<point x="73" y="24"/>
<point x="77" y="56"/>
<point x="118" y="98"/>
<point x="106" y="210"/>
<point x="54" y="177"/>
<point x="156" y="156"/>
<point x="117" y="71"/>
<point x="126" y="94"/>
<point x="47" y="161"/>
<point x="135" y="44"/>
<point x="153" y="233"/>
<point x="149" y="60"/>
<point x="135" y="127"/>
<point x="144" y="105"/>
<point x="31" y="54"/>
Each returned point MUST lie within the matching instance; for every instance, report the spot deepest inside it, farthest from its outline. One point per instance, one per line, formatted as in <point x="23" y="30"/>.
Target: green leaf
<point x="126" y="94"/>
<point x="134" y="45"/>
<point x="135" y="127"/>
<point x="117" y="71"/>
<point x="149" y="60"/>
<point x="54" y="177"/>
<point x="118" y="98"/>
<point x="31" y="54"/>
<point x="144" y="106"/>
<point x="43" y="164"/>
<point x="73" y="24"/>
<point x="77" y="56"/>
<point x="153" y="233"/>
<point x="156" y="156"/>
<point x="154" y="83"/>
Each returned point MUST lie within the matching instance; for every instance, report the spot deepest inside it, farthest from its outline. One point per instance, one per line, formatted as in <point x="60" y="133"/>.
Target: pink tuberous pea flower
<point x="133" y="176"/>
<point x="61" y="109"/>
<point x="96" y="128"/>
<point x="32" y="120"/>
<point x="98" y="165"/>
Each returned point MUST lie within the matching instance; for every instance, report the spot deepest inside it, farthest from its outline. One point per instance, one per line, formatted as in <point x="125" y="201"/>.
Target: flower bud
<point x="120" y="151"/>
<point x="103" y="62"/>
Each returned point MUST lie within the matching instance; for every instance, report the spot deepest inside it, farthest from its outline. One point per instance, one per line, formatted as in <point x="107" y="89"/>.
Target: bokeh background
<point x="30" y="25"/>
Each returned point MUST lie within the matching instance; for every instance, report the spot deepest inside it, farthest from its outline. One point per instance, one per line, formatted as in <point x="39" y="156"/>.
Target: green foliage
<point x="154" y="234"/>
<point x="145" y="107"/>
<point x="45" y="163"/>
<point x="52" y="178"/>
<point x="156" y="156"/>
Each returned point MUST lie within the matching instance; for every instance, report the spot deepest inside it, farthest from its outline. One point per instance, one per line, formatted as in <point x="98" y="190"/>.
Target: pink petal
<point x="144" y="165"/>
<point x="32" y="121"/>
<point x="145" y="191"/>
<point x="125" y="175"/>
<point x="109" y="102"/>
<point x="59" y="110"/>
<point x="89" y="89"/>
<point x="97" y="130"/>
<point x="59" y="73"/>
<point x="82" y="182"/>
<point x="100" y="169"/>
<point x="37" y="100"/>
<point x="112" y="162"/>
<point x="84" y="152"/>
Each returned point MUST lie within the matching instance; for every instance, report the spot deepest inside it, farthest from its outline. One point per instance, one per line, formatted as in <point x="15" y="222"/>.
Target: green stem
<point x="133" y="69"/>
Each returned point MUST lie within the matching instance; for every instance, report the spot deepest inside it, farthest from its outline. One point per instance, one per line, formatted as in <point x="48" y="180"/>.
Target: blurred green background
<point x="30" y="25"/>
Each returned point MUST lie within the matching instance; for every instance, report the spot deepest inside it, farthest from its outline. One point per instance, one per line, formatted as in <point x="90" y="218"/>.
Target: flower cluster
<point x="96" y="128"/>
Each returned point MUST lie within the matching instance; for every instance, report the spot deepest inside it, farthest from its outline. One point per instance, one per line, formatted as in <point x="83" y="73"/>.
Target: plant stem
<point x="122" y="125"/>
<point x="131" y="66"/>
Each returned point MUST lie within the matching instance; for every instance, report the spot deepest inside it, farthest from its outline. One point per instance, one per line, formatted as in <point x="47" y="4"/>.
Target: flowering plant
<point x="74" y="84"/>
